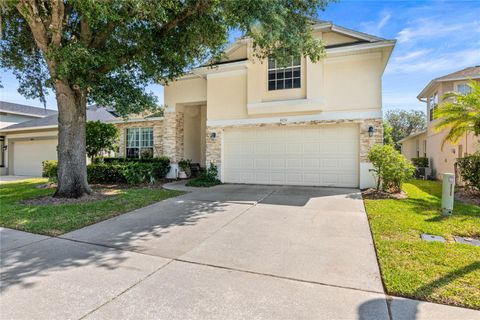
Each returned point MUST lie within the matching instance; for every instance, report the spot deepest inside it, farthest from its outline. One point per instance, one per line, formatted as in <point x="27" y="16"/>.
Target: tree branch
<point x="200" y="6"/>
<point x="28" y="9"/>
<point x="56" y="25"/>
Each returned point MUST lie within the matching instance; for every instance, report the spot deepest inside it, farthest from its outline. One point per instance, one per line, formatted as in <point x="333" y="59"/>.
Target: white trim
<point x="27" y="114"/>
<point x="231" y="73"/>
<point x="359" y="57"/>
<point x="355" y="34"/>
<point x="135" y="120"/>
<point x="323" y="116"/>
<point x="30" y="128"/>
<point x="365" y="46"/>
<point x="413" y="135"/>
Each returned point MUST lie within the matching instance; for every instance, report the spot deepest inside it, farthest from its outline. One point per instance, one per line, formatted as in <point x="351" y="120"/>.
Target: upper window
<point x="464" y="88"/>
<point x="284" y="76"/>
<point x="139" y="142"/>
<point x="432" y="105"/>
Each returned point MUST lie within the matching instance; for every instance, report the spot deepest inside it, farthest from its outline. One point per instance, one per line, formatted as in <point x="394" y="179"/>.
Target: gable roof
<point x="50" y="122"/>
<point x="413" y="135"/>
<point x="464" y="74"/>
<point x="20" y="109"/>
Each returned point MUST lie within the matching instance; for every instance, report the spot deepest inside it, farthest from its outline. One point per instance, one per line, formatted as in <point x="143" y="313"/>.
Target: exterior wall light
<point x="213" y="135"/>
<point x="283" y="121"/>
<point x="4" y="148"/>
<point x="371" y="130"/>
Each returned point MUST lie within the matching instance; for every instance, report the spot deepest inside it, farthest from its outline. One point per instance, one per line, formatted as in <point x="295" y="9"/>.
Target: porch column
<point x="366" y="143"/>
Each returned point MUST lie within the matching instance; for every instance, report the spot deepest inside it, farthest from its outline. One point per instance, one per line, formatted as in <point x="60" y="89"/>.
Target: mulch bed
<point x="467" y="196"/>
<point x="374" y="194"/>
<point x="98" y="194"/>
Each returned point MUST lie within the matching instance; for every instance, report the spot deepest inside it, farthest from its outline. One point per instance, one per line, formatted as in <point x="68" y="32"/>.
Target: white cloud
<point x="428" y="28"/>
<point x="431" y="63"/>
<point x="412" y="55"/>
<point x="375" y="27"/>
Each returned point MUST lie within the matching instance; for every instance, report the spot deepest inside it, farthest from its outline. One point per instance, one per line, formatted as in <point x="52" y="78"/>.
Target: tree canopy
<point x="405" y="122"/>
<point x="114" y="48"/>
<point x="100" y="137"/>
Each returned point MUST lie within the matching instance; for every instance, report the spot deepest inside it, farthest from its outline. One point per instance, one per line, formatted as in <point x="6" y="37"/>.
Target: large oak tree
<point x="108" y="51"/>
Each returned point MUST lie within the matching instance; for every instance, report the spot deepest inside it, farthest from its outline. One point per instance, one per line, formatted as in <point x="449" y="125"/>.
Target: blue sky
<point x="433" y="38"/>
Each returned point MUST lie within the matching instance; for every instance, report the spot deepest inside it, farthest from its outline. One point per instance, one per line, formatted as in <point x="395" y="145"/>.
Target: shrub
<point x="100" y="137"/>
<point x="390" y="167"/>
<point x="208" y="178"/>
<point x="420" y="162"/>
<point x="121" y="171"/>
<point x="469" y="169"/>
<point x="49" y="169"/>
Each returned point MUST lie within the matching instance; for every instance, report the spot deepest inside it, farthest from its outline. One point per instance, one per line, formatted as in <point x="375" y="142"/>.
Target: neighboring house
<point x="31" y="142"/>
<point x="443" y="160"/>
<point x="306" y="124"/>
<point x="13" y="113"/>
<point x="415" y="145"/>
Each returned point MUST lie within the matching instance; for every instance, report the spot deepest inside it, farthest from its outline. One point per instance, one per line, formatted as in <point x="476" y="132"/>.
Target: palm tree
<point x="460" y="113"/>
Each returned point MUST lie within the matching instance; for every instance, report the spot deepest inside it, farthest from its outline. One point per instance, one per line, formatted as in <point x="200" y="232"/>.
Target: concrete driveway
<point x="228" y="252"/>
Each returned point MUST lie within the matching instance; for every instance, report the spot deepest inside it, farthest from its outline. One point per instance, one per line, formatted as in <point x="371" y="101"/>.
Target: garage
<point x="28" y="156"/>
<point x="316" y="155"/>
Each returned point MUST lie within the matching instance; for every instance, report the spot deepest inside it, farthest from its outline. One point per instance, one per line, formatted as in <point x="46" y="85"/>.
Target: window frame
<point x="432" y="105"/>
<point x="464" y="85"/>
<point x="143" y="140"/>
<point x="291" y="73"/>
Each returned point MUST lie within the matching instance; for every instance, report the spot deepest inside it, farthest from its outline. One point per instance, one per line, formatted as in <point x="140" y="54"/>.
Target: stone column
<point x="169" y="140"/>
<point x="366" y="143"/>
<point x="213" y="152"/>
<point x="179" y="136"/>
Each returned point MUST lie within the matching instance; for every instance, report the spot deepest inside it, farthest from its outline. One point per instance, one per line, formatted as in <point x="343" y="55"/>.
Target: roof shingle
<point x="10" y="107"/>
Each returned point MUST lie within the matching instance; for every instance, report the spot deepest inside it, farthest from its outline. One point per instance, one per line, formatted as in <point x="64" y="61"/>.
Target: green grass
<point x="57" y="219"/>
<point x="439" y="272"/>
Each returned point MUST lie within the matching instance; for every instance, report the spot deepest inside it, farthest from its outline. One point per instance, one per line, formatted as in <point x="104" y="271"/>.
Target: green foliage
<point x="100" y="137"/>
<point x="469" y="168"/>
<point x="111" y="50"/>
<point x="404" y="123"/>
<point x="459" y="113"/>
<point x="387" y="134"/>
<point x="390" y="167"/>
<point x="420" y="162"/>
<point x="208" y="178"/>
<point x="120" y="170"/>
<point x="184" y="164"/>
<point x="49" y="169"/>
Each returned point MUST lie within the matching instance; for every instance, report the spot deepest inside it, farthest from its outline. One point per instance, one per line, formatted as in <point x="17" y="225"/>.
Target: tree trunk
<point x="72" y="160"/>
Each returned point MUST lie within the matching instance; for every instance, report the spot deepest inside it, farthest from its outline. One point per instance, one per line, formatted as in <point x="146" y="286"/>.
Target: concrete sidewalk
<point x="227" y="252"/>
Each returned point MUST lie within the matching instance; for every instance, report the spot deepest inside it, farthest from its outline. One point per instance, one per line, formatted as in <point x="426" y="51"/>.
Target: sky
<point x="434" y="38"/>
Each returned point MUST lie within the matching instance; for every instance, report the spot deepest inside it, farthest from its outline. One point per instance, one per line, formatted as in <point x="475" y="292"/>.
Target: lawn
<point x="56" y="219"/>
<point x="446" y="273"/>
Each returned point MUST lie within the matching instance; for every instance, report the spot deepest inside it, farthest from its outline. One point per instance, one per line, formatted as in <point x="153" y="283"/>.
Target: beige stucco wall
<point x="227" y="97"/>
<point x="414" y="147"/>
<point x="186" y="92"/>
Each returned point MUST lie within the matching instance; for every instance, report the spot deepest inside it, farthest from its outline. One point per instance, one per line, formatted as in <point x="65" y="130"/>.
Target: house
<point x="258" y="122"/>
<point x="26" y="144"/>
<point x="415" y="145"/>
<point x="13" y="113"/>
<point x="442" y="160"/>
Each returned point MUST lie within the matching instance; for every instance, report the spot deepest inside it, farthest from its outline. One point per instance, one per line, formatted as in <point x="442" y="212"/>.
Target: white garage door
<point x="28" y="156"/>
<point x="325" y="155"/>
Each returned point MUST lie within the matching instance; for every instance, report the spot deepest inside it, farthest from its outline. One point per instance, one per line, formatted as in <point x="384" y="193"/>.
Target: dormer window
<point x="464" y="89"/>
<point x="284" y="76"/>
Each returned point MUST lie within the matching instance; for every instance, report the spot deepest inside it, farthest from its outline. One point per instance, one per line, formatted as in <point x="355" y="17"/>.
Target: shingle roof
<point x="93" y="114"/>
<point x="464" y="74"/>
<point x="10" y="107"/>
<point x="470" y="72"/>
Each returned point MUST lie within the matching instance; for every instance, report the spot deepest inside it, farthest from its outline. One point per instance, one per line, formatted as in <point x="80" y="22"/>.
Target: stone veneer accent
<point x="214" y="146"/>
<point x="158" y="130"/>
<point x="170" y="136"/>
<point x="179" y="141"/>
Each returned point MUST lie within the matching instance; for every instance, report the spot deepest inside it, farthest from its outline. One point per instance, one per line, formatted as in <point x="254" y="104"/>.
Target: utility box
<point x="448" y="191"/>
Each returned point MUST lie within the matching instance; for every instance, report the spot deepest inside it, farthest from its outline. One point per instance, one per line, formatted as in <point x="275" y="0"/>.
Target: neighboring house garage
<point x="30" y="143"/>
<point x="297" y="155"/>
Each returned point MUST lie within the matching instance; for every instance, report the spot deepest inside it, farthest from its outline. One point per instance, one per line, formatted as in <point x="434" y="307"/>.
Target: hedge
<point x="469" y="168"/>
<point x="118" y="170"/>
<point x="420" y="162"/>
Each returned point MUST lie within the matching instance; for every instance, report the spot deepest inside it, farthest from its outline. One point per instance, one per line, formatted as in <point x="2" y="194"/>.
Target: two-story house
<point x="261" y="123"/>
<point x="429" y="142"/>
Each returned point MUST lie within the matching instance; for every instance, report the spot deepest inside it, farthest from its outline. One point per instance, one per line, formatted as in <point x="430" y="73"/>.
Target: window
<point x="139" y="142"/>
<point x="432" y="105"/>
<point x="284" y="77"/>
<point x="464" y="88"/>
<point x="2" y="151"/>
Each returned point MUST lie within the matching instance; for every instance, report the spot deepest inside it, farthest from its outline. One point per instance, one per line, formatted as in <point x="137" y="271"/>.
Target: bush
<point x="49" y="169"/>
<point x="208" y="178"/>
<point x="420" y="162"/>
<point x="390" y="167"/>
<point x="119" y="171"/>
<point x="469" y="169"/>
